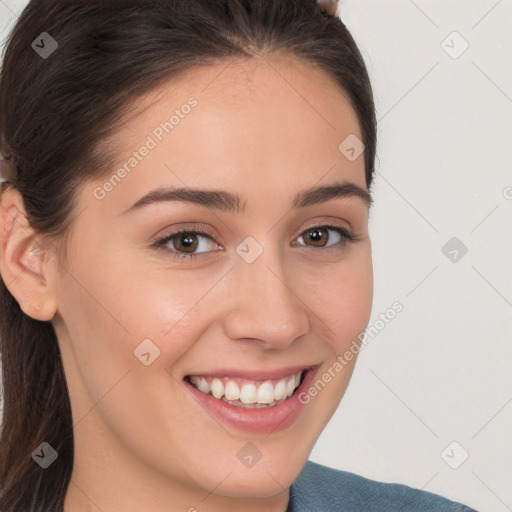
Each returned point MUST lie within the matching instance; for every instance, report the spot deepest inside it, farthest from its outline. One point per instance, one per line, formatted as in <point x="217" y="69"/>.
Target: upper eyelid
<point x="328" y="221"/>
<point x="161" y="240"/>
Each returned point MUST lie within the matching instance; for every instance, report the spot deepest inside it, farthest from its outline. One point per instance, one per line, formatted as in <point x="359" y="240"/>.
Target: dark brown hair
<point x="54" y="114"/>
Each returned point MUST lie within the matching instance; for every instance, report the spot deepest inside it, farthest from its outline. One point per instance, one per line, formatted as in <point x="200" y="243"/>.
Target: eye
<point x="319" y="236"/>
<point x="184" y="243"/>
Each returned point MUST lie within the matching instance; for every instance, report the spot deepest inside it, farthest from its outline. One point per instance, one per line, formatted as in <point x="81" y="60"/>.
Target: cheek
<point x="342" y="299"/>
<point x="352" y="315"/>
<point x="344" y="306"/>
<point x="109" y="310"/>
<point x="117" y="309"/>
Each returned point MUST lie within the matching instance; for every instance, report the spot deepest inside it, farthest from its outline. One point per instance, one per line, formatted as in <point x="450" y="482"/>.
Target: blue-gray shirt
<point x="322" y="489"/>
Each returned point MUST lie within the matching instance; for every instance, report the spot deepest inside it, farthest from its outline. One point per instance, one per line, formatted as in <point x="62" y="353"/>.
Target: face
<point x="258" y="293"/>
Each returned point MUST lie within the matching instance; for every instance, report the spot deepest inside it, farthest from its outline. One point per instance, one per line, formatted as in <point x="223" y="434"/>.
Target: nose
<point x="265" y="305"/>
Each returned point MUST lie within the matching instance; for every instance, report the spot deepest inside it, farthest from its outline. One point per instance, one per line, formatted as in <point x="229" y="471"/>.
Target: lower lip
<point x="263" y="420"/>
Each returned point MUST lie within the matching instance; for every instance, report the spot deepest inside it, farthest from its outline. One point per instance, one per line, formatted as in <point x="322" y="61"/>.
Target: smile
<point x="253" y="401"/>
<point x="247" y="392"/>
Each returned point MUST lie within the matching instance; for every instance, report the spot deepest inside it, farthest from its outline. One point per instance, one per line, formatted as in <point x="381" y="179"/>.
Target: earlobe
<point x="24" y="259"/>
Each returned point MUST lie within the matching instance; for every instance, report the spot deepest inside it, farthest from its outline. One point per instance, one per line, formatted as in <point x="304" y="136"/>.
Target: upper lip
<point x="252" y="374"/>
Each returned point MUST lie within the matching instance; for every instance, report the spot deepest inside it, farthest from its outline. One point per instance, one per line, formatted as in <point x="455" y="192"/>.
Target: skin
<point x="264" y="129"/>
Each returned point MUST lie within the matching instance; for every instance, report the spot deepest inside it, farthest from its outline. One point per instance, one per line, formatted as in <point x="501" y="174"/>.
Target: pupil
<point x="316" y="235"/>
<point x="187" y="241"/>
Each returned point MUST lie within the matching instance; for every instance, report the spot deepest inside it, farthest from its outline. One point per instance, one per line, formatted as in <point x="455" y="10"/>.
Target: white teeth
<point x="248" y="394"/>
<point x="217" y="388"/>
<point x="280" y="390"/>
<point x="232" y="391"/>
<point x="290" y="386"/>
<point x="265" y="393"/>
<point x="203" y="386"/>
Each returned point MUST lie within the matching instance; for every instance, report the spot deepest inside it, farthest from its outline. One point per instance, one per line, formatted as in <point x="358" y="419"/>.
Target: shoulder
<point x="325" y="489"/>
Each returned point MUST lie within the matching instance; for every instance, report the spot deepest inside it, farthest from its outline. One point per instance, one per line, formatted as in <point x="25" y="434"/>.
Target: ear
<point x="26" y="259"/>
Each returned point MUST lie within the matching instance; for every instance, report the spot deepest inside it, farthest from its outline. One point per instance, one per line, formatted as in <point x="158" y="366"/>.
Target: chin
<point x="262" y="480"/>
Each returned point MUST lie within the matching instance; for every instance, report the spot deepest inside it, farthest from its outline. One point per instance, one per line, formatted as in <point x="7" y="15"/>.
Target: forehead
<point x="260" y="123"/>
<point x="268" y="83"/>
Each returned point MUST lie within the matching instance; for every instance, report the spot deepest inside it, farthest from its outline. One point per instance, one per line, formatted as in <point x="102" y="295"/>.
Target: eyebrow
<point x="229" y="202"/>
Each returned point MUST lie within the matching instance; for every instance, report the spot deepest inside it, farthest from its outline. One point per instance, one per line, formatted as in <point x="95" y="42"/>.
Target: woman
<point x="185" y="255"/>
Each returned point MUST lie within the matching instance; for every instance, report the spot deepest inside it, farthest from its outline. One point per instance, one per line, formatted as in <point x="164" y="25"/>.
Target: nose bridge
<point x="265" y="304"/>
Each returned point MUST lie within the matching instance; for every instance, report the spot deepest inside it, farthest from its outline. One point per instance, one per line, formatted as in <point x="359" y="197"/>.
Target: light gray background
<point x="440" y="371"/>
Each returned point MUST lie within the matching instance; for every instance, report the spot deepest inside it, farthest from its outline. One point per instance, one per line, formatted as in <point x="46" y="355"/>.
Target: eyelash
<point x="160" y="243"/>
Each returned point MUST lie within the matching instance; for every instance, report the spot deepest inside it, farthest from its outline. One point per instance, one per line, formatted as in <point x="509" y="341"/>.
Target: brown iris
<point x="315" y="235"/>
<point x="186" y="242"/>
